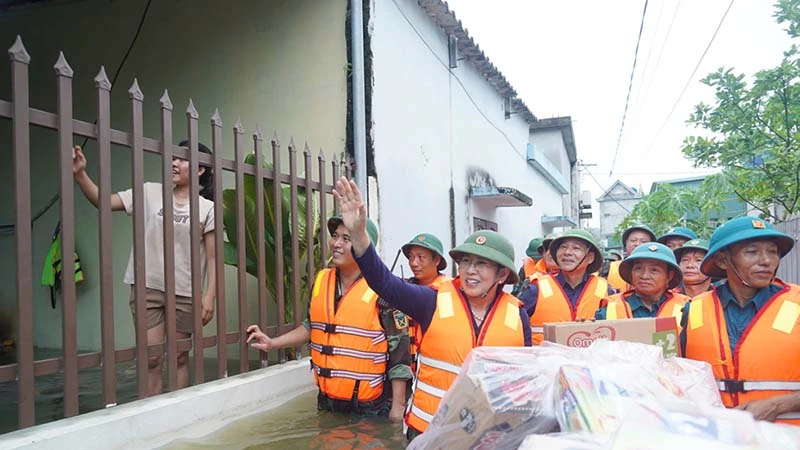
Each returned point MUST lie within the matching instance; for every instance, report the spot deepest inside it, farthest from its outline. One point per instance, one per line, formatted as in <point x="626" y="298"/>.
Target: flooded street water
<point x="298" y="425"/>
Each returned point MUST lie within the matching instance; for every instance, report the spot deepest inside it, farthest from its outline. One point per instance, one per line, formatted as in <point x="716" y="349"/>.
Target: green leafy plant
<point x="304" y="201"/>
<point x="752" y="130"/>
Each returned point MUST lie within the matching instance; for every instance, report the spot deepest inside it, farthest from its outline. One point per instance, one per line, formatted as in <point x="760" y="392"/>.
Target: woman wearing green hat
<point x="470" y="311"/>
<point x="689" y="257"/>
<point x="652" y="271"/>
<point x="748" y="328"/>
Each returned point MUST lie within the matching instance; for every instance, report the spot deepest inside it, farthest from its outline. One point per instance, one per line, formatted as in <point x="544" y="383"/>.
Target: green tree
<point x="251" y="243"/>
<point x="752" y="130"/>
<point x="670" y="206"/>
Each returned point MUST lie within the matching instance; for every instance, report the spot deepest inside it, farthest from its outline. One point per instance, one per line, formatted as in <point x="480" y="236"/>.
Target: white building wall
<point x="435" y="129"/>
<point x="613" y="213"/>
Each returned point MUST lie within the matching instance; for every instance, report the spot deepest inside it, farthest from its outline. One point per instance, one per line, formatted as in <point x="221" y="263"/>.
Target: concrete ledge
<point x="189" y="413"/>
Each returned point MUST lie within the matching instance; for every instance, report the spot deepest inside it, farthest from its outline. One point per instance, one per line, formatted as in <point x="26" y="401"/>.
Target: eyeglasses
<point x="480" y="265"/>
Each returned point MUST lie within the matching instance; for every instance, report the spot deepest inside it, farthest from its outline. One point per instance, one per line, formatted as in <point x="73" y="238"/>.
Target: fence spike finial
<point x="18" y="53"/>
<point x="321" y="155"/>
<point x="237" y="127"/>
<point x="216" y="120"/>
<point x="62" y="66"/>
<point x="291" y="142"/>
<point x="257" y="134"/>
<point x="165" y="101"/>
<point x="334" y="159"/>
<point x="191" y="111"/>
<point x="101" y="80"/>
<point x="135" y="92"/>
<point x="306" y="150"/>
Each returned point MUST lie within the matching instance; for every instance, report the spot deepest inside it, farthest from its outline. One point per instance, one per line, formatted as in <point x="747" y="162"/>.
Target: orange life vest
<point x="415" y="331"/>
<point x="764" y="363"/>
<point x="615" y="280"/>
<point x="539" y="269"/>
<point x="553" y="305"/>
<point x="449" y="339"/>
<point x="529" y="266"/>
<point x="618" y="307"/>
<point x="349" y="350"/>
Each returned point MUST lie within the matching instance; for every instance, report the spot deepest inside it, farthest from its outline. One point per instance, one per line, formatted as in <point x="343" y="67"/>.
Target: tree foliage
<point x="251" y="243"/>
<point x="671" y="206"/>
<point x="752" y="130"/>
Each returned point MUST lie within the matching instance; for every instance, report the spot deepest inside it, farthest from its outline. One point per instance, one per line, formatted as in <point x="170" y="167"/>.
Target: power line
<point x="604" y="189"/>
<point x="458" y="80"/>
<point x="688" y="81"/>
<point x="661" y="53"/>
<point x="630" y="86"/>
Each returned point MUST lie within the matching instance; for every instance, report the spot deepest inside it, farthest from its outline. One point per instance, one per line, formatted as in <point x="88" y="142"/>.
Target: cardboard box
<point x="661" y="332"/>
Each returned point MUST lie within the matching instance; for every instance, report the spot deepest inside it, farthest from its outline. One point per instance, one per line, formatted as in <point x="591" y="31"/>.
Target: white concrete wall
<point x="279" y="64"/>
<point x="430" y="136"/>
<point x="551" y="143"/>
<point x="613" y="213"/>
<point x="186" y="414"/>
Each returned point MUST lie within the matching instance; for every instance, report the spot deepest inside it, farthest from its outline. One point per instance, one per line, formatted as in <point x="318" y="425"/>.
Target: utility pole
<point x="585" y="202"/>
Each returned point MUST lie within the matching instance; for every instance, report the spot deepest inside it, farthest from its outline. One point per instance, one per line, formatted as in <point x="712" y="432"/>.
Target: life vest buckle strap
<point x="323" y="372"/>
<point x="326" y="349"/>
<point x="740" y="386"/>
<point x="731" y="386"/>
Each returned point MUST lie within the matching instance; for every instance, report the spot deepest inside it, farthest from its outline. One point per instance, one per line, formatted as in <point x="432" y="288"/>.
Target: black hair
<point x="207" y="178"/>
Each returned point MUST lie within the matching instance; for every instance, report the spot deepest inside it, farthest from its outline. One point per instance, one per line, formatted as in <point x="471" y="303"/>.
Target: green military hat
<point x="738" y="230"/>
<point x="533" y="248"/>
<point x="372" y="229"/>
<point x="547" y="241"/>
<point x="679" y="232"/>
<point x="694" y="244"/>
<point x="639" y="227"/>
<point x="492" y="246"/>
<point x="612" y="254"/>
<point x="655" y="251"/>
<point x="586" y="237"/>
<point x="430" y="242"/>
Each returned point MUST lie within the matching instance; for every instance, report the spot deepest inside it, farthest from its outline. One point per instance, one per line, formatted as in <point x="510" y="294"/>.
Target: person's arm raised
<point x="354" y="214"/>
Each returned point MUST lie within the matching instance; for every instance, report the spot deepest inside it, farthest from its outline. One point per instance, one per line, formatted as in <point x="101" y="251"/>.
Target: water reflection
<point x="298" y="425"/>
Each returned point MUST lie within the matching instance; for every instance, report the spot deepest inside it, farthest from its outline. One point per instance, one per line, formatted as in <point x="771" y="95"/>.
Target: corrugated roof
<point x="471" y="52"/>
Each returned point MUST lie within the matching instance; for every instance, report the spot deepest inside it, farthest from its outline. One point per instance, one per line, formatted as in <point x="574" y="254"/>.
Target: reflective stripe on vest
<point x="553" y="304"/>
<point x="349" y="349"/>
<point x="441" y="365"/>
<point x="732" y="386"/>
<point x="758" y="368"/>
<point x="425" y="387"/>
<point x="618" y="307"/>
<point x="375" y="357"/>
<point x="373" y="379"/>
<point x="421" y="414"/>
<point x="377" y="336"/>
<point x="449" y="339"/>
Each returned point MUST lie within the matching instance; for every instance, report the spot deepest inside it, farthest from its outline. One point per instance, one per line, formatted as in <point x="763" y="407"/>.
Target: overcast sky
<point x="574" y="58"/>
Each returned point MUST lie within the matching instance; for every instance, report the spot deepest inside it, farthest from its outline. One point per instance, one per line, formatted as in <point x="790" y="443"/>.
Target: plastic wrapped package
<point x="497" y="399"/>
<point x="778" y="436"/>
<point x="503" y="394"/>
<point x="593" y="395"/>
<point x="565" y="441"/>
<point x="681" y="424"/>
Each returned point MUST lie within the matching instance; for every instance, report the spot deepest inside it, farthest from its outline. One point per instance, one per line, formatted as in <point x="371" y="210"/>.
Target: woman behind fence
<point x="154" y="254"/>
